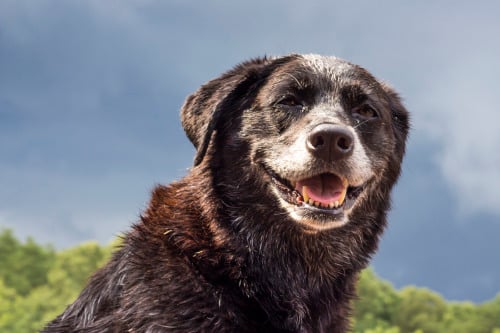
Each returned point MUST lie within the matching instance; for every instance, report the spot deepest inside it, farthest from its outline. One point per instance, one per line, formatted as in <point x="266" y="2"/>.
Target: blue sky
<point x="90" y="93"/>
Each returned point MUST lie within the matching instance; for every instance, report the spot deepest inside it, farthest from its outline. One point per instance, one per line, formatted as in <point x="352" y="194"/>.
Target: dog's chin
<point x="315" y="219"/>
<point x="312" y="209"/>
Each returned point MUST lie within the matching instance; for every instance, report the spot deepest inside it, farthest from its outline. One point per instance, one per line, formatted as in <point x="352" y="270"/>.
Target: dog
<point x="295" y="160"/>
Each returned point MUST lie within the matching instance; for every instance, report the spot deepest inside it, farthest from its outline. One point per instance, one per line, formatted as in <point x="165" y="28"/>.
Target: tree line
<point x="37" y="282"/>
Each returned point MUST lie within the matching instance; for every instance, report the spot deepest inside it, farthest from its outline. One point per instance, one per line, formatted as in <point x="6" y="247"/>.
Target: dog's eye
<point x="289" y="101"/>
<point x="365" y="112"/>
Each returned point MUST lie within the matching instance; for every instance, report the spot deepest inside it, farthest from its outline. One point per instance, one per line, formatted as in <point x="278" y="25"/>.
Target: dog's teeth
<point x="342" y="196"/>
<point x="310" y="201"/>
<point x="305" y="194"/>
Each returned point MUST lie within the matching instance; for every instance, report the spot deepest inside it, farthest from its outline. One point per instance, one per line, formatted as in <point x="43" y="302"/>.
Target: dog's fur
<point x="232" y="247"/>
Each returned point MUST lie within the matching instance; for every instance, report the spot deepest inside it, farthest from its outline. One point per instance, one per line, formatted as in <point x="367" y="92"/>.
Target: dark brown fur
<point x="215" y="252"/>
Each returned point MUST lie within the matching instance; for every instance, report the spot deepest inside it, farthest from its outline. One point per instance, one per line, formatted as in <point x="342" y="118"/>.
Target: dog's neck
<point x="292" y="282"/>
<point x="298" y="278"/>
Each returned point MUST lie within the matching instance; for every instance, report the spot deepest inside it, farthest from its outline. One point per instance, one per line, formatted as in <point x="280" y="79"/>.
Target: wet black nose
<point x="330" y="142"/>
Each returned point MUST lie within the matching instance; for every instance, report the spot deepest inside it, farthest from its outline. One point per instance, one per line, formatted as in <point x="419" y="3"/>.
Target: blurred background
<point x="90" y="93"/>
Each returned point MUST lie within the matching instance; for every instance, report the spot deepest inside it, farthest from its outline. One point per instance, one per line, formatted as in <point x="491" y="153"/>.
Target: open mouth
<point x="323" y="193"/>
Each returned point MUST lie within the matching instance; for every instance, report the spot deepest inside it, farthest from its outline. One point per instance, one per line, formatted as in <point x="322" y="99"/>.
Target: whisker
<point x="300" y="85"/>
<point x="361" y="123"/>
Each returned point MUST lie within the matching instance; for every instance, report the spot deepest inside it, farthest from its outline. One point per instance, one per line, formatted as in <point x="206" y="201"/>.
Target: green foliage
<point x="380" y="329"/>
<point x="7" y="302"/>
<point x="37" y="283"/>
<point x="382" y="309"/>
<point x="376" y="305"/>
<point x="23" y="266"/>
<point x="420" y="309"/>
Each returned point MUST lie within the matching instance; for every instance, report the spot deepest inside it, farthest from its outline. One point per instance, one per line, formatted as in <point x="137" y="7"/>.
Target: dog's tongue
<point x="325" y="189"/>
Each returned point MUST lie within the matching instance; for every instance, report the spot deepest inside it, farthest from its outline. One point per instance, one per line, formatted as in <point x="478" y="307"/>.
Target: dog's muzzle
<point x="326" y="191"/>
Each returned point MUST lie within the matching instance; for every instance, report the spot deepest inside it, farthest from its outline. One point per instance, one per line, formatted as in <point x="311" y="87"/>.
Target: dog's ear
<point x="400" y="117"/>
<point x="202" y="111"/>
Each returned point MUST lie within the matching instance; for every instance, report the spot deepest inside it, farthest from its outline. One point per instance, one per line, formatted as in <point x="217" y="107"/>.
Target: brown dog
<point x="296" y="158"/>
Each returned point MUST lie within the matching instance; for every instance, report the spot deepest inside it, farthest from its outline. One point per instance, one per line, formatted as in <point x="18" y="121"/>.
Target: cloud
<point x="90" y="93"/>
<point x="460" y="114"/>
<point x="57" y="205"/>
<point x="77" y="61"/>
<point x="68" y="229"/>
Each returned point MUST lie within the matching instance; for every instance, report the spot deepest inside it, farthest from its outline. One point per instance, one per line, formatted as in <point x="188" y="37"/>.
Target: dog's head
<point x="317" y="135"/>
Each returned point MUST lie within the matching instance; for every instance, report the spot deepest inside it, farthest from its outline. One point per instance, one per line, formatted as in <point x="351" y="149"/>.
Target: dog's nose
<point x="330" y="142"/>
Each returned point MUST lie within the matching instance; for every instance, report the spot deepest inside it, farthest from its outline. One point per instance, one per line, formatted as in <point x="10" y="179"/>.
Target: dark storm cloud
<point x="90" y="93"/>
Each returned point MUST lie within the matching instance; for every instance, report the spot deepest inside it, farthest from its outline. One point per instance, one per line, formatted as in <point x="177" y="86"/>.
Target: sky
<point x="90" y="93"/>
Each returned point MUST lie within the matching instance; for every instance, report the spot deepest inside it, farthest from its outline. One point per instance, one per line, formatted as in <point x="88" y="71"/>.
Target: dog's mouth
<point x="323" y="193"/>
